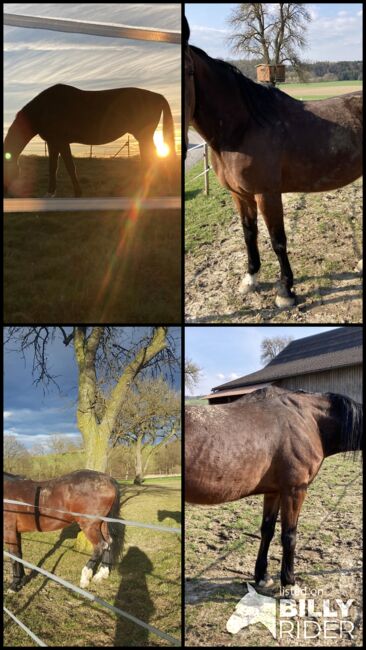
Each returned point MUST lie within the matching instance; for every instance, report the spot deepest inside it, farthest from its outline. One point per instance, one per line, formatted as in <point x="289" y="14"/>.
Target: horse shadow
<point x="133" y="588"/>
<point x="170" y="514"/>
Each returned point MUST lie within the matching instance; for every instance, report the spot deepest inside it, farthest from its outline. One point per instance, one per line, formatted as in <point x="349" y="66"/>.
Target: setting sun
<point x="162" y="149"/>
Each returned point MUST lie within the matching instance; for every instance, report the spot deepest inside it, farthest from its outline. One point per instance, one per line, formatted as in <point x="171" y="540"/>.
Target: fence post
<point x="91" y="151"/>
<point x="128" y="146"/>
<point x="206" y="167"/>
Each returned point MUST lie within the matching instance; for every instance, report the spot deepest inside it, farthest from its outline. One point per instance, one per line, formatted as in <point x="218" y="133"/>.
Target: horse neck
<point x="19" y="134"/>
<point x="213" y="87"/>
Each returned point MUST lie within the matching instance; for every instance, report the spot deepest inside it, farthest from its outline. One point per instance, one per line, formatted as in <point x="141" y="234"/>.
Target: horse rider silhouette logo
<point x="253" y="608"/>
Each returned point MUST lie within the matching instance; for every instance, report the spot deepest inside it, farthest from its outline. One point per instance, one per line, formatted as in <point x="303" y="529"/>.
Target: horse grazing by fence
<point x="272" y="442"/>
<point x="63" y="114"/>
<point x="86" y="492"/>
<point x="263" y="143"/>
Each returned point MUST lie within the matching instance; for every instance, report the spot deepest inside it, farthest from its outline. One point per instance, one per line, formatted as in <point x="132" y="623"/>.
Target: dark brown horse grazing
<point x="270" y="442"/>
<point x="64" y="114"/>
<point x="263" y="143"/>
<point x="86" y="492"/>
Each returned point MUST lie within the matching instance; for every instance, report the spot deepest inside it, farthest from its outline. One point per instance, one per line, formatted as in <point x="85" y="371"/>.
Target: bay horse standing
<point x="84" y="491"/>
<point x="272" y="442"/>
<point x="63" y="114"/>
<point x="263" y="143"/>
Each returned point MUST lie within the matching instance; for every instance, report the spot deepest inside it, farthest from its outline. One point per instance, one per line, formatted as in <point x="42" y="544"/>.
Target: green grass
<point x="93" y="267"/>
<point x="202" y="217"/>
<point x="318" y="84"/>
<point x="146" y="584"/>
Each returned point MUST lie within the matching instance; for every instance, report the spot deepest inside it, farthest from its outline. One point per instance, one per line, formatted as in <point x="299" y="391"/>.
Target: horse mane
<point x="261" y="100"/>
<point x="351" y="415"/>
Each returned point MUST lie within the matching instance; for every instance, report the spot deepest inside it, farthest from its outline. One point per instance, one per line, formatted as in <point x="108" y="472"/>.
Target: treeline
<point x="318" y="71"/>
<point x="68" y="457"/>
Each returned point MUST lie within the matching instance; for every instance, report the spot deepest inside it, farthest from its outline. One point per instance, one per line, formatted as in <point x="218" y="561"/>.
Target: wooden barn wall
<point x="346" y="381"/>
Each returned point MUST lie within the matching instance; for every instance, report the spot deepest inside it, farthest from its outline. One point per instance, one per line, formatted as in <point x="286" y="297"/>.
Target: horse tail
<point x="116" y="531"/>
<point x="168" y="126"/>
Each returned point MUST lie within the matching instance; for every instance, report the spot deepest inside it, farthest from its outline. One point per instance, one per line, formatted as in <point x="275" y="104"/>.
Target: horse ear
<point x="186" y="30"/>
<point x="251" y="589"/>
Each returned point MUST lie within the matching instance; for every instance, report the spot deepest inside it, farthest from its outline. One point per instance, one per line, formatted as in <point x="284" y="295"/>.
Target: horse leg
<point x="13" y="543"/>
<point x="271" y="506"/>
<point x="70" y="166"/>
<point x="291" y="503"/>
<point x="107" y="555"/>
<point x="92" y="532"/>
<point x="271" y="207"/>
<point x="53" y="152"/>
<point x="147" y="150"/>
<point x="248" y="213"/>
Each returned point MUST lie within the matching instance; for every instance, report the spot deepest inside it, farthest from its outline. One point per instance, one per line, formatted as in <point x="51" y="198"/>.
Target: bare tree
<point x="192" y="374"/>
<point x="17" y="459"/>
<point x="270" y="347"/>
<point x="270" y="32"/>
<point x="149" y="418"/>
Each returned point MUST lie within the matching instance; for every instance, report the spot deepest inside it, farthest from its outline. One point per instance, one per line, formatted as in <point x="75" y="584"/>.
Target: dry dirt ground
<point x="221" y="545"/>
<point x="324" y="244"/>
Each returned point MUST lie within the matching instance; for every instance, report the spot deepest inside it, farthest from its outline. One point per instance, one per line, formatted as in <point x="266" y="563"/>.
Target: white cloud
<point x="220" y="375"/>
<point x="233" y="376"/>
<point x="7" y="414"/>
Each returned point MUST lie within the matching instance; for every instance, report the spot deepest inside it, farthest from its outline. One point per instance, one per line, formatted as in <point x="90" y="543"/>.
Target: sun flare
<point x="162" y="149"/>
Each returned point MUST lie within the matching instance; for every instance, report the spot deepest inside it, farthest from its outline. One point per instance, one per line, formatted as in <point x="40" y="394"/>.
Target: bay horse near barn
<point x="85" y="492"/>
<point x="63" y="114"/>
<point x="263" y="143"/>
<point x="272" y="442"/>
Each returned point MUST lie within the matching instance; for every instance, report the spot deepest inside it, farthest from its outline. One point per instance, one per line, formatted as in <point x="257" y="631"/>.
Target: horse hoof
<point x="358" y="268"/>
<point x="285" y="301"/>
<point x="101" y="575"/>
<point x="267" y="582"/>
<point x="49" y="195"/>
<point x="248" y="284"/>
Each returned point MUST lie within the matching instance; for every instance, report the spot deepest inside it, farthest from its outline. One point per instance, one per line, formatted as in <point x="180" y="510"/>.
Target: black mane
<point x="351" y="415"/>
<point x="262" y="100"/>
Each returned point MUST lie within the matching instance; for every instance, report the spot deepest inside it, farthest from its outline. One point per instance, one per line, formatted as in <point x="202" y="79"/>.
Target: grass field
<point x="93" y="267"/>
<point x="319" y="90"/>
<point x="222" y="544"/>
<point x="146" y="584"/>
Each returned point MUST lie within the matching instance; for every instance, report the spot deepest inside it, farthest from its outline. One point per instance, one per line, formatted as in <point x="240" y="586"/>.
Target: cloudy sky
<point x="32" y="415"/>
<point x="35" y="59"/>
<point x="334" y="34"/>
<point x="226" y="353"/>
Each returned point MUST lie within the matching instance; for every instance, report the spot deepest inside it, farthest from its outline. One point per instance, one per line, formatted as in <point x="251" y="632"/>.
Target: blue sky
<point x="35" y="59"/>
<point x="334" y="34"/>
<point x="226" y="353"/>
<point x="32" y="415"/>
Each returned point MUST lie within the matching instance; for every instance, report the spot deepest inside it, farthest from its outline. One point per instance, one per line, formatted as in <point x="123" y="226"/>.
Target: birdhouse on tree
<point x="270" y="73"/>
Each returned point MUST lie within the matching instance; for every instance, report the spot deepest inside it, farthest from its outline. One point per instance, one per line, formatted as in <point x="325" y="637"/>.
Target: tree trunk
<point x="138" y="462"/>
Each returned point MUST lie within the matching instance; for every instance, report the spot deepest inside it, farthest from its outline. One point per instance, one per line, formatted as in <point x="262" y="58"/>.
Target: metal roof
<point x="331" y="349"/>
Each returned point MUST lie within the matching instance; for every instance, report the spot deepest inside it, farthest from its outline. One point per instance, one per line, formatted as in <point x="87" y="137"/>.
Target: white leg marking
<point x="86" y="576"/>
<point x="359" y="267"/>
<point x="249" y="283"/>
<point x="102" y="574"/>
<point x="265" y="583"/>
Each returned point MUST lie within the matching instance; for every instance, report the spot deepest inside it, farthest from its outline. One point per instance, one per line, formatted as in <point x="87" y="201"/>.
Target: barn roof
<point x="331" y="349"/>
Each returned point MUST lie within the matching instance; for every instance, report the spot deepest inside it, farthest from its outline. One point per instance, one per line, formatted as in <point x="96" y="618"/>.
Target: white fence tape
<point x="96" y="599"/>
<point x="94" y="29"/>
<point x="165" y="529"/>
<point x="73" y="205"/>
<point x="26" y="629"/>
